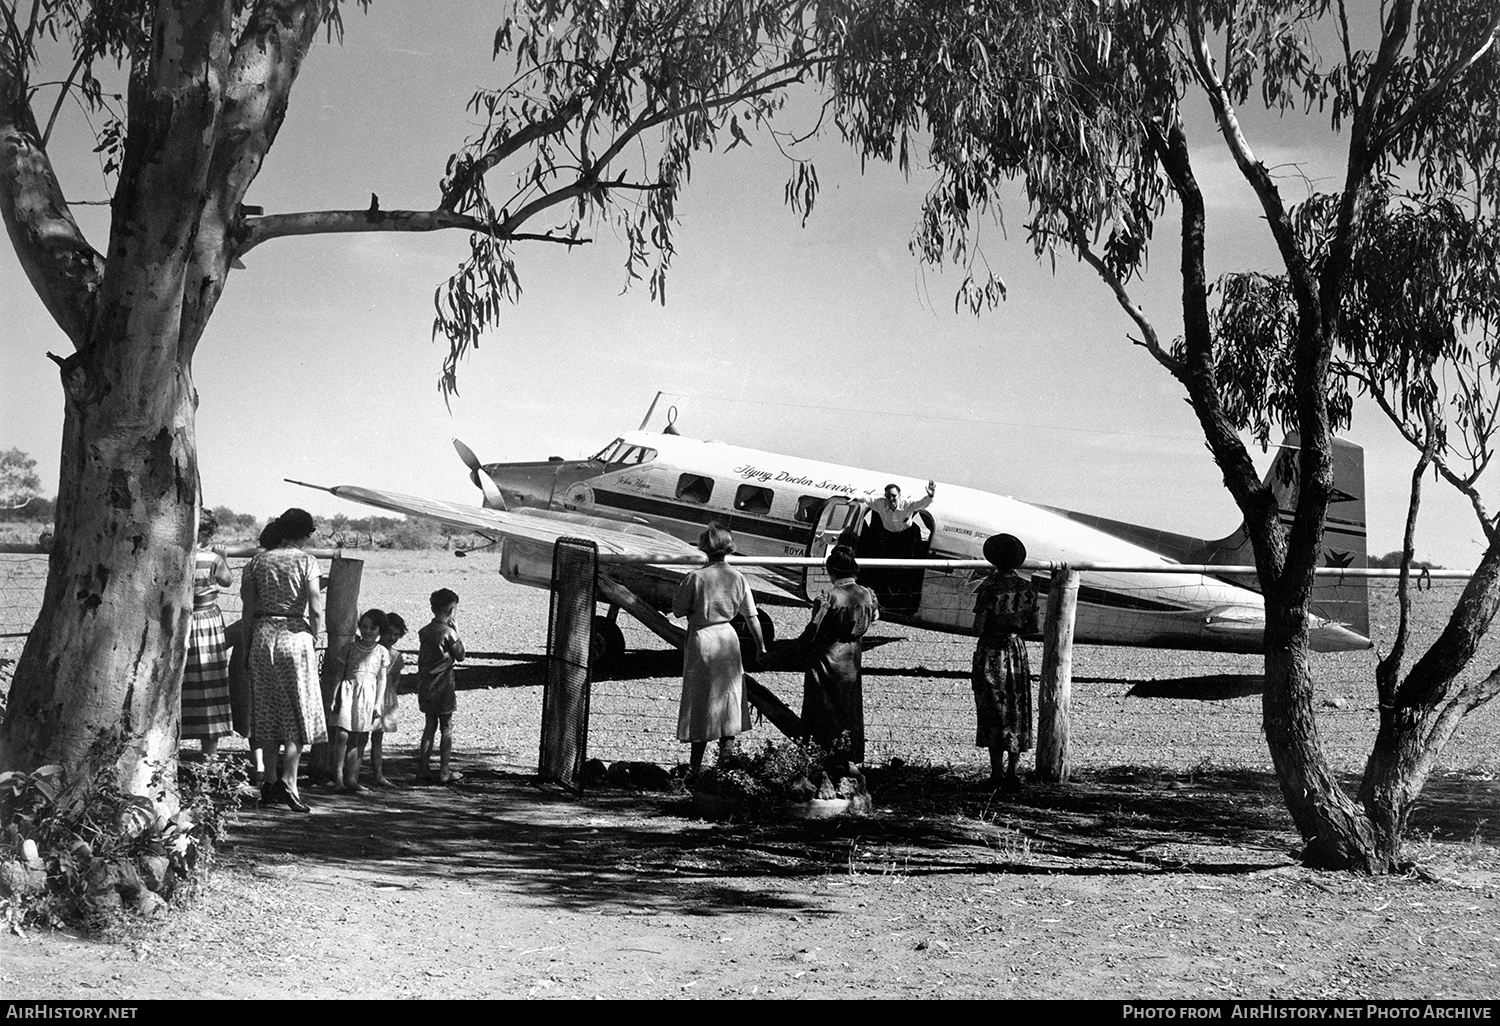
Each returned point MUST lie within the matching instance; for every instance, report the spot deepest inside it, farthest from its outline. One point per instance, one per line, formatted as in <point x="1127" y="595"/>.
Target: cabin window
<point x="694" y="488"/>
<point x="638" y="454"/>
<point x="810" y="508"/>
<point x="753" y="499"/>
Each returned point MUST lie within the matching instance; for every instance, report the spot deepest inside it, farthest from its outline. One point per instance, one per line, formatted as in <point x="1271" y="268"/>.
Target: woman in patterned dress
<point x="1005" y="609"/>
<point x="205" y="680"/>
<point x="285" y="608"/>
<point x="713" y="706"/>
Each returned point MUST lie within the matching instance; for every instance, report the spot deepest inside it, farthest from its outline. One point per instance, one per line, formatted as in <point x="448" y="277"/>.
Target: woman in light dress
<point x="713" y="704"/>
<point x="284" y="606"/>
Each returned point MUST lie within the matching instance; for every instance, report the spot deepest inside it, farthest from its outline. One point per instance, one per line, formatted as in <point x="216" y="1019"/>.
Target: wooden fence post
<point x="1054" y="699"/>
<point x="341" y="621"/>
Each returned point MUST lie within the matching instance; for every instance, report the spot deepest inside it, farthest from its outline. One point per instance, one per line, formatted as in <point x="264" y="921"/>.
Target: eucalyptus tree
<point x="19" y="483"/>
<point x="596" y="115"/>
<point x="1381" y="284"/>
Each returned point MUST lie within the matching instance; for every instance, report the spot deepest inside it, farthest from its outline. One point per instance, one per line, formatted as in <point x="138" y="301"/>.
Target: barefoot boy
<point x="440" y="649"/>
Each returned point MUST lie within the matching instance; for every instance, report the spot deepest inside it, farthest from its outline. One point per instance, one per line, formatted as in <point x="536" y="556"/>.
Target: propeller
<point x="492" y="496"/>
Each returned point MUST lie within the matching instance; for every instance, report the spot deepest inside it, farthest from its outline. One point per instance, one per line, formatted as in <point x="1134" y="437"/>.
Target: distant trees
<point x="1395" y="560"/>
<point x="35" y="511"/>
<point x="19" y="483"/>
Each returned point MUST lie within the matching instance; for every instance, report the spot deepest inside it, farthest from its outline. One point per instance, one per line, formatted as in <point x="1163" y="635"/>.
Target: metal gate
<point x="570" y="635"/>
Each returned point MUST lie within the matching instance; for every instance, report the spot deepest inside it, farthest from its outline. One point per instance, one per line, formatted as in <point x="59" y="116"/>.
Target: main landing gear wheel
<point x="607" y="647"/>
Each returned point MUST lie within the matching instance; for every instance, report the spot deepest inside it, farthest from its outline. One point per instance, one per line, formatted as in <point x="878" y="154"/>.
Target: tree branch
<point x="1388" y="669"/>
<point x="333" y="222"/>
<point x="465" y="178"/>
<point x="62" y="94"/>
<point x="1149" y="340"/>
<point x="1465" y="486"/>
<point x="62" y="267"/>
<point x="1252" y="169"/>
<point x="175" y="98"/>
<point x="1434" y="93"/>
<point x="1196" y="370"/>
<point x="267" y="57"/>
<point x="599" y="86"/>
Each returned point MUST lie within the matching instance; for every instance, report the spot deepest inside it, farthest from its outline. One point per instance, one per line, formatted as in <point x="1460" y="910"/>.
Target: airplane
<point x="650" y="494"/>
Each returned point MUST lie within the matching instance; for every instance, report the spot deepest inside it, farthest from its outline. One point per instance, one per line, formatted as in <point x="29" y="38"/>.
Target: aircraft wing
<point x="542" y="528"/>
<point x="532" y="525"/>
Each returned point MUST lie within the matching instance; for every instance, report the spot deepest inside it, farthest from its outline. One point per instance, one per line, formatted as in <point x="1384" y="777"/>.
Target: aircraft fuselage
<point x="780" y="505"/>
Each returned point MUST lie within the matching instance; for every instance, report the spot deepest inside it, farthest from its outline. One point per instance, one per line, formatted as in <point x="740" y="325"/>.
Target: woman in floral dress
<point x="284" y="605"/>
<point x="1005" y="609"/>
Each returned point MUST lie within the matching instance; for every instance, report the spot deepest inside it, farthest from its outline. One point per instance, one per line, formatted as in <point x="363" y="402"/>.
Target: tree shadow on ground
<point x="627" y="851"/>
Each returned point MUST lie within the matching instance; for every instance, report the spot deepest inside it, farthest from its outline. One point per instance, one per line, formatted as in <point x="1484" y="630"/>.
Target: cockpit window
<point x="617" y="453"/>
<point x="611" y="452"/>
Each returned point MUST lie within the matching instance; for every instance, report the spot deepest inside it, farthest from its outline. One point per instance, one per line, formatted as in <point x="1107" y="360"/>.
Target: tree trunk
<point x="1394" y="775"/>
<point x="107" y="652"/>
<point x="1336" y="831"/>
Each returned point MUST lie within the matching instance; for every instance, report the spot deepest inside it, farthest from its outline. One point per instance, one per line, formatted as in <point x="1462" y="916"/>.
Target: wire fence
<point x="23" y="579"/>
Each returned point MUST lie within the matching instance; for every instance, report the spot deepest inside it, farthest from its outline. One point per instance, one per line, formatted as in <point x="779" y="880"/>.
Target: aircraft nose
<point x="534" y="484"/>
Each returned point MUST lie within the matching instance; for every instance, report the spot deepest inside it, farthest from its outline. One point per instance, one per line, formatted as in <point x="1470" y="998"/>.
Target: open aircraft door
<point x="839" y="518"/>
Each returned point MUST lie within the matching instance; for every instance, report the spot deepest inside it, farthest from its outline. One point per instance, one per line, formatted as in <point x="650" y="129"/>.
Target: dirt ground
<point x="1112" y="887"/>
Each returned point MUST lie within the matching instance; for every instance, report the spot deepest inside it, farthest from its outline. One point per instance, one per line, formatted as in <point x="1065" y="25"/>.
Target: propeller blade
<point x="467" y="455"/>
<point x="492" y="497"/>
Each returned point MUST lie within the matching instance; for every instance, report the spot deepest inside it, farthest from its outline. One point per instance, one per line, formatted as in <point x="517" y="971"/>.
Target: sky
<point x="827" y="340"/>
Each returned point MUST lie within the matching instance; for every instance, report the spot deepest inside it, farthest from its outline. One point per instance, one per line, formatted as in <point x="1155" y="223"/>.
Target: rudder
<point x="1343" y="600"/>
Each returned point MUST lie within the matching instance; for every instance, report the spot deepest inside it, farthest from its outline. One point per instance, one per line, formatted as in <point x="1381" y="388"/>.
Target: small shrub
<point x="83" y="853"/>
<point x="784" y="771"/>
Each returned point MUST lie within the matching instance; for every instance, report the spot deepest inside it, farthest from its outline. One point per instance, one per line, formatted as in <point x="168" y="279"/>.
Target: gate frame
<point x="567" y="639"/>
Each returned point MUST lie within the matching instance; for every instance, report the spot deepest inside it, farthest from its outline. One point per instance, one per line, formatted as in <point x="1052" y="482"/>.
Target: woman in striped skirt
<point x="205" y="681"/>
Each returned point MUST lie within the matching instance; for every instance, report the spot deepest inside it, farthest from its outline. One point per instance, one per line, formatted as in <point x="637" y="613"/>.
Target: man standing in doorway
<point x="892" y="533"/>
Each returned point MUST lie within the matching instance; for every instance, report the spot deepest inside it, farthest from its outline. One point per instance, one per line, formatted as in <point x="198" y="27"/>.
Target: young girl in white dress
<point x="395" y="630"/>
<point x="356" y="706"/>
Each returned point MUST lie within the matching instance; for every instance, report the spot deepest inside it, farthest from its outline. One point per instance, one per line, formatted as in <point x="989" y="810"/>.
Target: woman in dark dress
<point x="832" y="691"/>
<point x="1005" y="609"/>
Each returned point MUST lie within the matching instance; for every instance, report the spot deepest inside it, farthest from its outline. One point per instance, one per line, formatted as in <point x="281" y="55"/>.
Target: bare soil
<point x="1105" y="888"/>
<point x="1164" y="870"/>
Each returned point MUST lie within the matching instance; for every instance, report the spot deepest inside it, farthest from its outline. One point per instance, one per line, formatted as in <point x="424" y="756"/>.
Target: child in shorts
<point x="440" y="649"/>
<point x="385" y="719"/>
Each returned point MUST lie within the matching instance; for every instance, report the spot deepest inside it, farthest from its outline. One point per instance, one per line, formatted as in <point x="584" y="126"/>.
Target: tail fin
<point x="1343" y="600"/>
